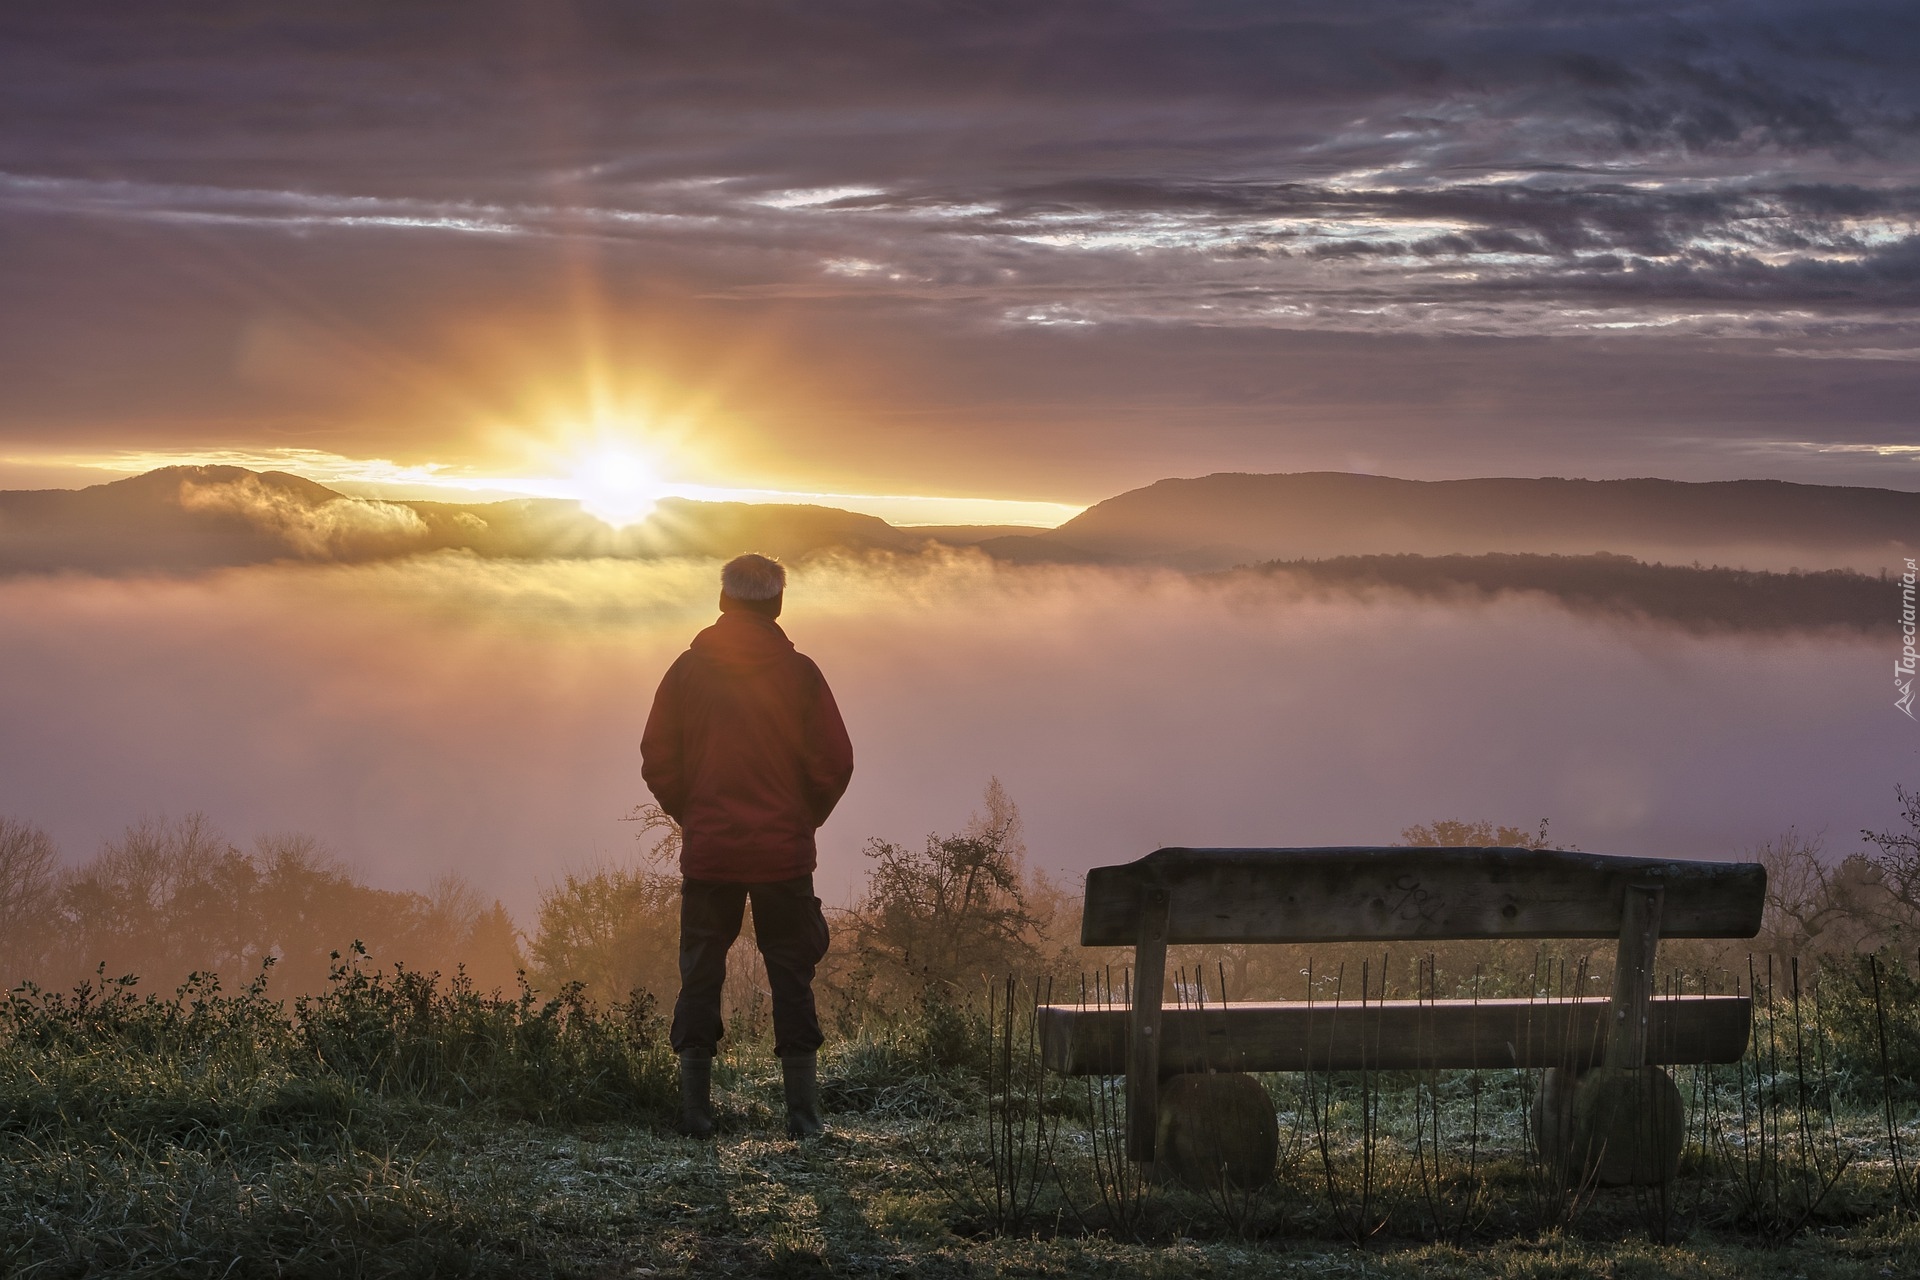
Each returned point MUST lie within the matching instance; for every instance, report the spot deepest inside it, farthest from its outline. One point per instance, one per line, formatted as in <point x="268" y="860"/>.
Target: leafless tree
<point x="1899" y="855"/>
<point x="29" y="887"/>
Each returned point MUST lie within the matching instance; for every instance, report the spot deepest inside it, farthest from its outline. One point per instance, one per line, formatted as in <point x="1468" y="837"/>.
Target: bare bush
<point x="1816" y="906"/>
<point x="1899" y="856"/>
<point x="950" y="915"/>
<point x="616" y="931"/>
<point x="1862" y="903"/>
<point x="613" y="932"/>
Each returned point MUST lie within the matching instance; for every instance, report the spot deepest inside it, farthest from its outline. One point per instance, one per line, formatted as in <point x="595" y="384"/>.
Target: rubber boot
<point x="801" y="1079"/>
<point x="696" y="1095"/>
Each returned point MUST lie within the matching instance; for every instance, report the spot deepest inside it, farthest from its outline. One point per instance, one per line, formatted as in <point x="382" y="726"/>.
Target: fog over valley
<point x="451" y="713"/>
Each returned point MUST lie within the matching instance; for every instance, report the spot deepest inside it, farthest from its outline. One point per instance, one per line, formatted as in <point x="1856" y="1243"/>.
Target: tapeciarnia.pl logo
<point x="1903" y="669"/>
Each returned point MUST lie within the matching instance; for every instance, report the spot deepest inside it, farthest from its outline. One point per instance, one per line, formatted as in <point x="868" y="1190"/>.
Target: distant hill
<point x="192" y="518"/>
<point x="1699" y="600"/>
<point x="1226" y="519"/>
<point x="143" y="523"/>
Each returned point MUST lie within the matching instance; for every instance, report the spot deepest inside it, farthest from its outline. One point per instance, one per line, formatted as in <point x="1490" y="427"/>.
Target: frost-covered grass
<point x="397" y="1127"/>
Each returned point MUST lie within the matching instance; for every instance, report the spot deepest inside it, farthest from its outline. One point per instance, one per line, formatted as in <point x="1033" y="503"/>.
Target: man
<point x="745" y="749"/>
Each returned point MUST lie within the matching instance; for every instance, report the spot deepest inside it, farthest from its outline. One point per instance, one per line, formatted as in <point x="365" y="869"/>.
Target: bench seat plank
<point x="1385" y="894"/>
<point x="1393" y="1036"/>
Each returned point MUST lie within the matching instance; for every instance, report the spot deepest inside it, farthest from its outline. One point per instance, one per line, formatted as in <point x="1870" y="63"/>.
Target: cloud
<point x="1852" y="353"/>
<point x="807" y="133"/>
<point x="335" y="529"/>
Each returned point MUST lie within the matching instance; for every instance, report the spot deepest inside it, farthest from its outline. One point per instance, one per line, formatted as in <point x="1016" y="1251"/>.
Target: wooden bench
<point x="1407" y="895"/>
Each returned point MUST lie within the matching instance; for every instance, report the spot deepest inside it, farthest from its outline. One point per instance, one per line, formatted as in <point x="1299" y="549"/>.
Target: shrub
<point x="946" y="917"/>
<point x="1857" y="1022"/>
<point x="610" y="932"/>
<point x="409" y="1033"/>
<point x="205" y="1059"/>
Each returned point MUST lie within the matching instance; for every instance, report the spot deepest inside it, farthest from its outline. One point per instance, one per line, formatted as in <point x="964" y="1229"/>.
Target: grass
<point x="518" y="1198"/>
<point x="400" y="1127"/>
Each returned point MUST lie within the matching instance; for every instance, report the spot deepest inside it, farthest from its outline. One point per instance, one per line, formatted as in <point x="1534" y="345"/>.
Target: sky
<point x="1016" y="253"/>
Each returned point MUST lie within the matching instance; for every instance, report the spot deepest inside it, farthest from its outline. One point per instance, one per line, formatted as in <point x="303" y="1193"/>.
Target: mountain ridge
<point x="1228" y="518"/>
<point x="190" y="518"/>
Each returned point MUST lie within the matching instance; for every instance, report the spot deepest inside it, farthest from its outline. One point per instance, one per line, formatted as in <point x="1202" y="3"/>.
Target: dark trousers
<point x="791" y="932"/>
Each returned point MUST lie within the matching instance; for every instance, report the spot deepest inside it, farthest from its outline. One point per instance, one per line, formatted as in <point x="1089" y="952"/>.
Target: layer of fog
<point x="484" y="717"/>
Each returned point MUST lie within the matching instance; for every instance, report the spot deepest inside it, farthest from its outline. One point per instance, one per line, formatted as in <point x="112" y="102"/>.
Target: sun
<point x="617" y="485"/>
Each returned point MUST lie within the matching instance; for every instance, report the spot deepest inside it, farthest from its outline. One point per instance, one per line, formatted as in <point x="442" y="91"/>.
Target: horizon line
<point x="383" y="479"/>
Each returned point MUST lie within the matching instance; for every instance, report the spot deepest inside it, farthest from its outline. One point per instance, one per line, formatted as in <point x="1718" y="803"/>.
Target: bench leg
<point x="1623" y="1123"/>
<point x="1633" y="976"/>
<point x="1143" y="1028"/>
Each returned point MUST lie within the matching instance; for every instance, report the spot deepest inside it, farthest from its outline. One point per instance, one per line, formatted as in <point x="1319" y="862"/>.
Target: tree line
<point x="1705" y="600"/>
<point x="170" y="898"/>
<point x="936" y="920"/>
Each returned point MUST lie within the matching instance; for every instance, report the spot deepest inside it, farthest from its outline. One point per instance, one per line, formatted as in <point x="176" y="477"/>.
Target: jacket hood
<point x="742" y="638"/>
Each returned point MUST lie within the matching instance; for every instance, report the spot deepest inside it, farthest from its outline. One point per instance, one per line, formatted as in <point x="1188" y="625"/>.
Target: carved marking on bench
<point x="1426" y="906"/>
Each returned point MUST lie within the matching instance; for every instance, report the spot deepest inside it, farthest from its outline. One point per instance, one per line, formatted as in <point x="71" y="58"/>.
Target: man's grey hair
<point x="752" y="577"/>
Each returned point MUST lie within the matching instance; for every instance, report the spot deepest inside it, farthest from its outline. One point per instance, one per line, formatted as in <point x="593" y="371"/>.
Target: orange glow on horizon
<point x="616" y="468"/>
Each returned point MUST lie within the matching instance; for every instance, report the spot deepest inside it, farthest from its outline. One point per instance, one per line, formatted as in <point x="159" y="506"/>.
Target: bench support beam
<point x="1143" y="1026"/>
<point x="1633" y="976"/>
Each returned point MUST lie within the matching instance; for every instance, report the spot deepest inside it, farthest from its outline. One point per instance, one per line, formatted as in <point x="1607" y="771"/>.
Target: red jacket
<point x="745" y="749"/>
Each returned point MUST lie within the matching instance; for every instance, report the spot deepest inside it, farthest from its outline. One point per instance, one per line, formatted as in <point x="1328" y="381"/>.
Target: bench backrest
<point x="1359" y="894"/>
